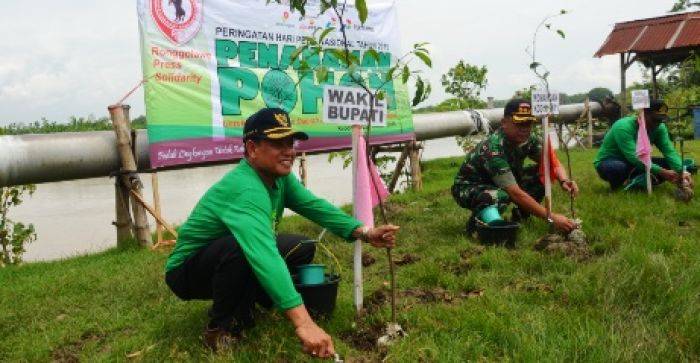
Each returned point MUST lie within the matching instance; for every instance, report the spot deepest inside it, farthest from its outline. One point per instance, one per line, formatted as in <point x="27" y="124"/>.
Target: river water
<point x="74" y="217"/>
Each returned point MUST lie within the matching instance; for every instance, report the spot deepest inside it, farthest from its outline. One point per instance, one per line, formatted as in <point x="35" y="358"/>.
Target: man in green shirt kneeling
<point x="228" y="250"/>
<point x="617" y="161"/>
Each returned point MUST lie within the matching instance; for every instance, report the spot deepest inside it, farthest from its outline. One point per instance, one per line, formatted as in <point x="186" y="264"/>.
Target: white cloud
<point x="76" y="57"/>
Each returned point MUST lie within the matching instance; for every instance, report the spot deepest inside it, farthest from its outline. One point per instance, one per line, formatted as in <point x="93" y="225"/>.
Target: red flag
<point x="553" y="162"/>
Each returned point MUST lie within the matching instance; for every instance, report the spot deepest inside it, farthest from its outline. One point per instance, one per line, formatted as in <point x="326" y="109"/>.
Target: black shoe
<point x="471" y="225"/>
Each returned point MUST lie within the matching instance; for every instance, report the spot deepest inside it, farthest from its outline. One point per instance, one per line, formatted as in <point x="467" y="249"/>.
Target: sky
<point x="75" y="57"/>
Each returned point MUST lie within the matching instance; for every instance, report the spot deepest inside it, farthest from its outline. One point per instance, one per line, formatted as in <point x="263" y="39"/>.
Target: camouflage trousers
<point x="476" y="197"/>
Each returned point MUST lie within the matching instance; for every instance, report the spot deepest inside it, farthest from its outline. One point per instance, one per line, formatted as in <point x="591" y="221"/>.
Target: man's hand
<point x="383" y="236"/>
<point x="668" y="175"/>
<point x="688" y="179"/>
<point x="570" y="187"/>
<point x="563" y="223"/>
<point x="314" y="340"/>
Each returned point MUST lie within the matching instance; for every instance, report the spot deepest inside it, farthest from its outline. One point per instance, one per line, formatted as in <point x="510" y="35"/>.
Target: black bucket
<point x="498" y="233"/>
<point x="320" y="299"/>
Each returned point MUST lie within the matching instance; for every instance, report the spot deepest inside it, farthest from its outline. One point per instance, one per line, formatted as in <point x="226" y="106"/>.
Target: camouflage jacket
<point x="496" y="161"/>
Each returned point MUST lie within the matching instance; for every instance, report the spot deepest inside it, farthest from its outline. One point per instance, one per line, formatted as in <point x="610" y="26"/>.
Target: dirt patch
<point x="439" y="295"/>
<point x="407" y="259"/>
<point x="364" y="337"/>
<point x="531" y="286"/>
<point x="471" y="252"/>
<point x="70" y="353"/>
<point x="375" y="300"/>
<point x="367" y="259"/>
<point x="461" y="267"/>
<point x="575" y="245"/>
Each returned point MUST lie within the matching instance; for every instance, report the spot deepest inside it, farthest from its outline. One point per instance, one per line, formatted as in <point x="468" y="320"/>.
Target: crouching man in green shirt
<point x="228" y="251"/>
<point x="617" y="162"/>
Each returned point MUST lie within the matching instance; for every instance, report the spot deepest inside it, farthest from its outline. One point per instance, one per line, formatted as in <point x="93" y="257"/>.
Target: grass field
<point x="636" y="299"/>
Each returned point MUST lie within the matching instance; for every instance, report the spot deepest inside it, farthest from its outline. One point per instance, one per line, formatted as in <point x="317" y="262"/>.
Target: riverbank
<point x="636" y="298"/>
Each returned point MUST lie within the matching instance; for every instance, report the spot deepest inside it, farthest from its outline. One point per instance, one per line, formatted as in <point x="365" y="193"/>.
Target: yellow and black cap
<point x="271" y="123"/>
<point x="519" y="110"/>
<point x="659" y="109"/>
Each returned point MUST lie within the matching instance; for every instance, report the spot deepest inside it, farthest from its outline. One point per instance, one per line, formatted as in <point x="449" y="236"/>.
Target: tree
<point x="465" y="82"/>
<point x="600" y="93"/>
<point x="682" y="5"/>
<point x="13" y="235"/>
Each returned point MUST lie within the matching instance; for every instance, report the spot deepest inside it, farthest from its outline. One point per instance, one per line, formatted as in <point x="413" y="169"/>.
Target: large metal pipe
<point x="41" y="158"/>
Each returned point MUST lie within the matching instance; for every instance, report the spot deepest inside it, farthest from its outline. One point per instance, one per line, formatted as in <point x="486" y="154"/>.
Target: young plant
<point x="542" y="73"/>
<point x="401" y="70"/>
<point x="14" y="236"/>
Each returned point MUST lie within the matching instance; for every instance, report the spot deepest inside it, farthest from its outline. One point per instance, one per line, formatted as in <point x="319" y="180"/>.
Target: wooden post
<point x="417" y="178"/>
<point x="654" y="82"/>
<point x="122" y="128"/>
<point x="399" y="166"/>
<point x="156" y="205"/>
<point x="123" y="218"/>
<point x="302" y="170"/>
<point x="589" y="114"/>
<point x="623" y="85"/>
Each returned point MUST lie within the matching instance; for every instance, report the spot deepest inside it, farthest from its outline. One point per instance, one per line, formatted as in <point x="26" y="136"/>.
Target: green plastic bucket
<point x="311" y="274"/>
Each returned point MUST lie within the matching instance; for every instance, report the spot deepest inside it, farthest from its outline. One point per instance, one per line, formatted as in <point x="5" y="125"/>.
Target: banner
<point x="212" y="63"/>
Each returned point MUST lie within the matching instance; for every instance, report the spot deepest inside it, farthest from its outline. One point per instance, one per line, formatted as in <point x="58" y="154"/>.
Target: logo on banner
<point x="178" y="20"/>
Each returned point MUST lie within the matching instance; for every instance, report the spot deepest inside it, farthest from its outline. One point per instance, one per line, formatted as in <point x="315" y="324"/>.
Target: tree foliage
<point x="314" y="46"/>
<point x="682" y="5"/>
<point x="14" y="236"/>
<point x="465" y="82"/>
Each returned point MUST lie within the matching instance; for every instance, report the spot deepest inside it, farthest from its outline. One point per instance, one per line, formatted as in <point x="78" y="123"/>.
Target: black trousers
<point x="220" y="272"/>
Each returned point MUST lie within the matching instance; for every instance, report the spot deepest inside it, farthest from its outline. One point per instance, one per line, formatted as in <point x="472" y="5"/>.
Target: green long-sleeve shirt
<point x="243" y="205"/>
<point x="621" y="143"/>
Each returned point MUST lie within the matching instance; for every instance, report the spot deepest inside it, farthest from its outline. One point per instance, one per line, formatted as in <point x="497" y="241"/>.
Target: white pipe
<point x="40" y="158"/>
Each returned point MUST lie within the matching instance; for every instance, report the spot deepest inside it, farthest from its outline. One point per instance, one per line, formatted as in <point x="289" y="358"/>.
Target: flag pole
<point x="357" y="255"/>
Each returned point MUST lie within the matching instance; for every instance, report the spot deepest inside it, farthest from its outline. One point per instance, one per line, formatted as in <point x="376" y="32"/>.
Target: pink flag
<point x="366" y="196"/>
<point x="643" y="144"/>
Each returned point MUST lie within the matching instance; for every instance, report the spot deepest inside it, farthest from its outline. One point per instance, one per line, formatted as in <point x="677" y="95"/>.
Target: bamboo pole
<point x="139" y="199"/>
<point x="156" y="204"/>
<point x="123" y="221"/>
<point x="416" y="176"/>
<point x="120" y="121"/>
<point x="399" y="166"/>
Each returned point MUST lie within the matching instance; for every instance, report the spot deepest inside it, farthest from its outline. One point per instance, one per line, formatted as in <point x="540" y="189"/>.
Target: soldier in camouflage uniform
<point x="493" y="173"/>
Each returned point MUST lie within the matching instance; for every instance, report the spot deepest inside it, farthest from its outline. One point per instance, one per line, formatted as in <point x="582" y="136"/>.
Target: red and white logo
<point x="178" y="20"/>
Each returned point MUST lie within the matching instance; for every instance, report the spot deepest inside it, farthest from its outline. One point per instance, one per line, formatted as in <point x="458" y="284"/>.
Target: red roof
<point x="653" y="34"/>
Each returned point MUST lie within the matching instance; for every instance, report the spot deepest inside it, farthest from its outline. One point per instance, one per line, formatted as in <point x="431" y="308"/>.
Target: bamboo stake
<point x="416" y="175"/>
<point x="155" y="215"/>
<point x="156" y="204"/>
<point x="120" y="121"/>
<point x="399" y="166"/>
<point x="123" y="221"/>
